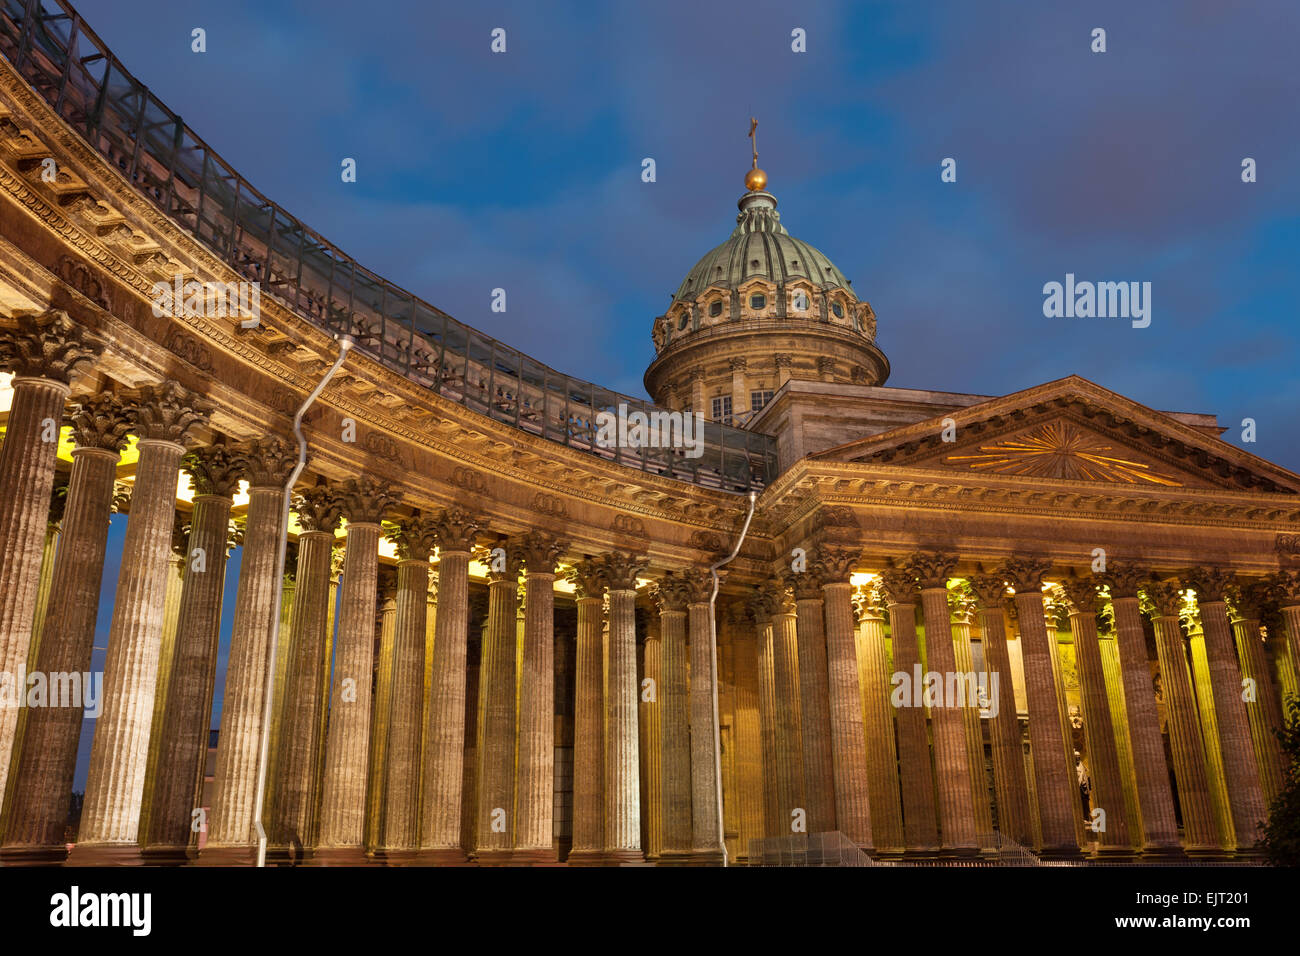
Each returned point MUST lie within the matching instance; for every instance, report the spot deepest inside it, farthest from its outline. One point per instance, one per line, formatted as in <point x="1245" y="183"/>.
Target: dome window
<point x="753" y="263"/>
<point x="715" y="307"/>
<point x="838" y="310"/>
<point x="682" y="323"/>
<point x="758" y="302"/>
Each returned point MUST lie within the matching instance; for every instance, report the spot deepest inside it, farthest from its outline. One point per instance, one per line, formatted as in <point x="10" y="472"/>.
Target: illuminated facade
<point x="494" y="631"/>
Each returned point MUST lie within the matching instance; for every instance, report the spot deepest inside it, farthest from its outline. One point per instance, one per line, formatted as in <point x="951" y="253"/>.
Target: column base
<point x="586" y="858"/>
<point x="235" y="856"/>
<point x="920" y="854"/>
<point x="105" y="854"/>
<point x="1114" y="854"/>
<point x="1060" y="854"/>
<point x="958" y="854"/>
<point x="625" y="858"/>
<point x="493" y="856"/>
<point x="163" y="855"/>
<point x="34" y="855"/>
<point x="1162" y="853"/>
<point x="706" y="858"/>
<point x="674" y="858"/>
<point x="440" y="856"/>
<point x="1207" y="853"/>
<point x="338" y="856"/>
<point x="390" y="856"/>
<point x="535" y="856"/>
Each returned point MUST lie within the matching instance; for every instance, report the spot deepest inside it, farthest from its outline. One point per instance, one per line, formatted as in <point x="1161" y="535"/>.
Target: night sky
<point x="522" y="170"/>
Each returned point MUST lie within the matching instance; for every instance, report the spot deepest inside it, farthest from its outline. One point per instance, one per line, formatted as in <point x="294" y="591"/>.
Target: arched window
<point x="715" y="308"/>
<point x="838" y="310"/>
<point x="758" y="301"/>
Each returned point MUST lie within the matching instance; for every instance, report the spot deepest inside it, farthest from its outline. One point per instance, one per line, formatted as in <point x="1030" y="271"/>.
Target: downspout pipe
<point x="345" y="345"/>
<point x="713" y="649"/>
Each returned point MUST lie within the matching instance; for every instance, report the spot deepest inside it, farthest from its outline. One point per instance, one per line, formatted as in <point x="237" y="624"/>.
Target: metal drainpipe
<point x="345" y="345"/>
<point x="713" y="648"/>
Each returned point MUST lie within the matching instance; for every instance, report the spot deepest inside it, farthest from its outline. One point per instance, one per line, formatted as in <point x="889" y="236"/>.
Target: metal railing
<point x="75" y="72"/>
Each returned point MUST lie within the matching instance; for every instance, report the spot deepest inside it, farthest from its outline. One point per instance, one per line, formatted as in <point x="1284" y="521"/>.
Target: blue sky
<point x="522" y="170"/>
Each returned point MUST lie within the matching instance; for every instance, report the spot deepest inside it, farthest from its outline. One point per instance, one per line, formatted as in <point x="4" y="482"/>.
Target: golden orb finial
<point x="755" y="180"/>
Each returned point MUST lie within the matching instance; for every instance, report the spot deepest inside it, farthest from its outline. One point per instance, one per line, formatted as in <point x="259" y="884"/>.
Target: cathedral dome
<point x="756" y="311"/>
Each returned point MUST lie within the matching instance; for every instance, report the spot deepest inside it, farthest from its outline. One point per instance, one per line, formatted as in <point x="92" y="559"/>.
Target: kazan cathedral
<point x="464" y="630"/>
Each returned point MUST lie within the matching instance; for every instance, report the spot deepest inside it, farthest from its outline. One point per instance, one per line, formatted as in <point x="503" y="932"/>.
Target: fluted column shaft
<point x="445" y="732"/>
<point x="920" y="819"/>
<point x="381" y="712"/>
<point x="789" y="731"/>
<point x="188" y="713"/>
<point x="588" y="730"/>
<point x="706" y="828"/>
<point x="652" y="749"/>
<point x="496" y="717"/>
<point x="622" y="761"/>
<point x="970" y="717"/>
<point x="115" y="785"/>
<point x="299" y="746"/>
<point x="749" y="740"/>
<point x="49" y="754"/>
<point x="343" y="799"/>
<point x="765" y="660"/>
<point x="402" y="787"/>
<point x="1009" y="782"/>
<point x="1245" y="796"/>
<point x="535" y="797"/>
<point x="1185" y="741"/>
<point x="27" y="461"/>
<point x="1155" y="798"/>
<point x="878" y="729"/>
<point x="675" y="733"/>
<point x="815" y="714"/>
<point x="1291" y="618"/>
<point x="848" y="743"/>
<point x="1057" y="793"/>
<point x="952" y="768"/>
<point x="1264" y="712"/>
<point x="1103" y="758"/>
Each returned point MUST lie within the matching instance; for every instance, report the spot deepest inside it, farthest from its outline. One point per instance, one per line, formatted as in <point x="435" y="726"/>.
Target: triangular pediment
<point x="1071" y="430"/>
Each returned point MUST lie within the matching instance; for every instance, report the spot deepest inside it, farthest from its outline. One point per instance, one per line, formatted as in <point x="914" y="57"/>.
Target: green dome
<point x="760" y="247"/>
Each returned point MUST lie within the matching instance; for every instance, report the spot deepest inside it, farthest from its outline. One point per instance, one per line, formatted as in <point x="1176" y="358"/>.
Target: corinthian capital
<point x="1025" y="573"/>
<point x="1210" y="584"/>
<point x="836" y="564"/>
<point x="1246" y="601"/>
<point x="1165" y="596"/>
<point x="364" y="500"/>
<point x="761" y="604"/>
<point x="806" y="585"/>
<point x="415" y="538"/>
<point x="101" y="421"/>
<point x="503" y="561"/>
<point x="990" y="590"/>
<point x="318" y="509"/>
<point x="215" y="470"/>
<point x="540" y="551"/>
<point x="620" y="569"/>
<point x="699" y="584"/>
<point x="1080" y="594"/>
<point x="670" y="593"/>
<point x="268" y="461"/>
<point x="586" y="579"/>
<point x="456" y="530"/>
<point x="1124" y="579"/>
<point x="930" y="568"/>
<point x="49" y="345"/>
<point x="1286" y="586"/>
<point x="898" y="586"/>
<point x="169" y="412"/>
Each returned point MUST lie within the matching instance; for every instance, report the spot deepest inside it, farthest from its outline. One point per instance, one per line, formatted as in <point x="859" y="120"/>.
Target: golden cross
<point x="753" y="126"/>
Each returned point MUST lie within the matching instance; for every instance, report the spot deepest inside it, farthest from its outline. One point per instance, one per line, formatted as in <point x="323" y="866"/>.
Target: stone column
<point x="652" y="778"/>
<point x="1123" y="747"/>
<point x="1286" y="585"/>
<point x="1200" y="835"/>
<point x="961" y="605"/>
<point x="381" y="712"/>
<point x="319" y="512"/>
<point x="761" y="605"/>
<point x="49" y="754"/>
<point x="1209" y="724"/>
<point x="110" y="817"/>
<point x="283" y="649"/>
<point x="1057" y="791"/>
<point x="589" y="718"/>
<point x="183" y="749"/>
<point x="789" y="730"/>
<point x="232" y="837"/>
<point x="1103" y="757"/>
<point x="343" y="797"/>
<point x="43" y="352"/>
<point x="1014" y="819"/>
<point x="749" y="732"/>
<point x="952" y="769"/>
<point x="848" y="743"/>
<point x="671" y="595"/>
<point x="920" y="820"/>
<point x="622" y="762"/>
<point x="415" y="539"/>
<point x="1245" y="795"/>
<point x="497" y="695"/>
<point x="166" y="657"/>
<point x="739" y="397"/>
<point x="535" y="789"/>
<point x="1155" y="798"/>
<point x="878" y="723"/>
<point x="444" y="757"/>
<point x="814" y="701"/>
<point x="1262" y="706"/>
<point x="706" y="827"/>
